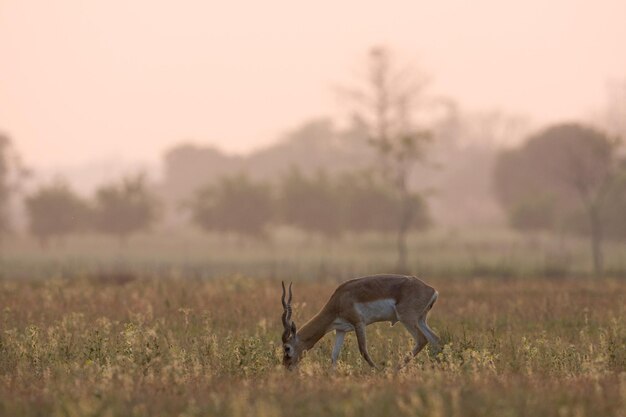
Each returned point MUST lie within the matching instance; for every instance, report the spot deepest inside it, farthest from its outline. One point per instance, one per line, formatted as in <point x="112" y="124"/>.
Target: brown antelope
<point x="357" y="303"/>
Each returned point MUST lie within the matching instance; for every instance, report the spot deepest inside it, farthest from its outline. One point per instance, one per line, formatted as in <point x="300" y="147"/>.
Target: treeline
<point x="119" y="209"/>
<point x="320" y="204"/>
<point x="566" y="178"/>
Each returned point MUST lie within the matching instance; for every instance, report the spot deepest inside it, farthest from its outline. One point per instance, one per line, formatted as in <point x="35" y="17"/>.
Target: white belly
<point x="379" y="310"/>
<point x="371" y="312"/>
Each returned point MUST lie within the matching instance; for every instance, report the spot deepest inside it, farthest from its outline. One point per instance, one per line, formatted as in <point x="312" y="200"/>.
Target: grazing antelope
<point x="357" y="303"/>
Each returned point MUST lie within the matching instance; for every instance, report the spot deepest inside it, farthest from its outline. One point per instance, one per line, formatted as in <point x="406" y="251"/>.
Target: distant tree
<point x="12" y="172"/>
<point x="189" y="167"/>
<point x="387" y="104"/>
<point x="311" y="203"/>
<point x="575" y="167"/>
<point x="370" y="206"/>
<point x="533" y="214"/>
<point x="313" y="145"/>
<point x="55" y="211"/>
<point x="234" y="205"/>
<point x="125" y="207"/>
<point x="614" y="209"/>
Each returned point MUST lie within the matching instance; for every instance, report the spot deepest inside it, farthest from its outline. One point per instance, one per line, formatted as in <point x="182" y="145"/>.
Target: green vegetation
<point x="186" y="322"/>
<point x="189" y="346"/>
<point x="189" y="324"/>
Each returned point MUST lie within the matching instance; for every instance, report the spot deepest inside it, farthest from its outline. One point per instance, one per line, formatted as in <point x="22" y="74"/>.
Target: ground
<point x="181" y="346"/>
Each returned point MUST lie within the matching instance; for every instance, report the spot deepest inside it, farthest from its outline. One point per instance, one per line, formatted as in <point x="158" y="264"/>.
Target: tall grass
<point x="191" y="346"/>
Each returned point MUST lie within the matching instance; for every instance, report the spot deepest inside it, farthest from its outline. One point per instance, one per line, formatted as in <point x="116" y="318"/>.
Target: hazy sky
<point x="91" y="79"/>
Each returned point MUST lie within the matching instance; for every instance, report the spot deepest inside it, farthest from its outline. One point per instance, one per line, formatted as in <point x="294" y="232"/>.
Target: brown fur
<point x="413" y="300"/>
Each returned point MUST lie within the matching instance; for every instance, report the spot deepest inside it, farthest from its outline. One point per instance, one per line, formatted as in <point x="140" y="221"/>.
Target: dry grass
<point x="190" y="347"/>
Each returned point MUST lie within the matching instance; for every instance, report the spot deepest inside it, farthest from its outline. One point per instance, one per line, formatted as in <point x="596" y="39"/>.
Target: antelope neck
<point x="315" y="329"/>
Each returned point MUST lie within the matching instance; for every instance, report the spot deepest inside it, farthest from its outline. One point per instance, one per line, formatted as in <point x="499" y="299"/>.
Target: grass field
<point x="439" y="253"/>
<point x="85" y="336"/>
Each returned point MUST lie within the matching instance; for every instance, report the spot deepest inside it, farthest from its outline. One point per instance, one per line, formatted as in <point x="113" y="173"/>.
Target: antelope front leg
<point x="362" y="340"/>
<point x="340" y="336"/>
<point x="420" y="342"/>
<point x="432" y="337"/>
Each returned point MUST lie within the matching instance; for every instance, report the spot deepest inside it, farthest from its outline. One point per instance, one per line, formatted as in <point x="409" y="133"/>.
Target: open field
<point x="290" y="255"/>
<point x="190" y="326"/>
<point x="191" y="346"/>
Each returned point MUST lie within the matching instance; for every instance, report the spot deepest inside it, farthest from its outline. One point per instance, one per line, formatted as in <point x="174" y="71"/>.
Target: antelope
<point x="354" y="305"/>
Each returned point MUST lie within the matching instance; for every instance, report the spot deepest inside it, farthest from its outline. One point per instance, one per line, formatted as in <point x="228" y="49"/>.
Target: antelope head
<point x="291" y="350"/>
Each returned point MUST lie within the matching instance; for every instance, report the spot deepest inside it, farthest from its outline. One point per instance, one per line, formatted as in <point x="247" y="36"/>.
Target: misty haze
<point x="165" y="167"/>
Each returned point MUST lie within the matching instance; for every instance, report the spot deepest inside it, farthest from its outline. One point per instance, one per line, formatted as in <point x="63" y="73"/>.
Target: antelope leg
<point x="362" y="340"/>
<point x="339" y="338"/>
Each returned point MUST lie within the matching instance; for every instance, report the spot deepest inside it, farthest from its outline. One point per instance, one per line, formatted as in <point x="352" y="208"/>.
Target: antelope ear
<point x="293" y="328"/>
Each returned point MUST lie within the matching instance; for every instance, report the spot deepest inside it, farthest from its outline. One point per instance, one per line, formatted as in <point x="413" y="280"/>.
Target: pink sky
<point x="83" y="80"/>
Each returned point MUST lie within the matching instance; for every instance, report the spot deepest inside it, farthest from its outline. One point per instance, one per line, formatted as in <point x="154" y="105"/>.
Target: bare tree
<point x="390" y="103"/>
